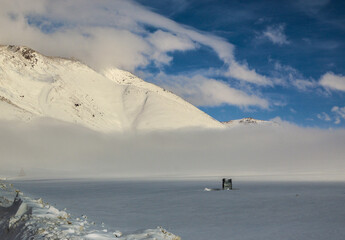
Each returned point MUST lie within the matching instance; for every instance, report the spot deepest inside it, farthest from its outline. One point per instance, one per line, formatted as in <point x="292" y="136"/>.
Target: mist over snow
<point x="52" y="149"/>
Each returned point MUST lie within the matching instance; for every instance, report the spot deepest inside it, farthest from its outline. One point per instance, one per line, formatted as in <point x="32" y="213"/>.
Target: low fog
<point x="50" y="149"/>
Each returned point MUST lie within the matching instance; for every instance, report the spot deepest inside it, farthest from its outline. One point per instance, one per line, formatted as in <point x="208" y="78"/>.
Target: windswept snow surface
<point x="257" y="210"/>
<point x="34" y="86"/>
<point x="27" y="218"/>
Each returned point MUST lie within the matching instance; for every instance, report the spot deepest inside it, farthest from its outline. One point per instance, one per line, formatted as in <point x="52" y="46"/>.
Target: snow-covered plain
<point x="256" y="210"/>
<point x="28" y="218"/>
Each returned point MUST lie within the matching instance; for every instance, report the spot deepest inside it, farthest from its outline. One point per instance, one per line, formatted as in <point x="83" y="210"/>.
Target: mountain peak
<point x="29" y="54"/>
<point x="248" y="121"/>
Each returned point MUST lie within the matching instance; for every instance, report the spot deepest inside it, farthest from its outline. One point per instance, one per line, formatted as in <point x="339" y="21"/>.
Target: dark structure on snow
<point x="227" y="184"/>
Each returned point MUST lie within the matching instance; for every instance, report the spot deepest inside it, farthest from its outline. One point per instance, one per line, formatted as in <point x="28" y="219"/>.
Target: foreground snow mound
<point x="34" y="86"/>
<point x="26" y="218"/>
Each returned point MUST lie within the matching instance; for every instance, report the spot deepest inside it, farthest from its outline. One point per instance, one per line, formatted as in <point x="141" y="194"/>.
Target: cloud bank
<point x="53" y="149"/>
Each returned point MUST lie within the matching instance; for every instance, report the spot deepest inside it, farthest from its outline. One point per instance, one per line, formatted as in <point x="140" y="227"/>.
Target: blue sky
<point x="232" y="59"/>
<point x="309" y="43"/>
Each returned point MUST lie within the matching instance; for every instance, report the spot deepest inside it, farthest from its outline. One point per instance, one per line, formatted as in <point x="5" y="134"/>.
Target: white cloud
<point x="288" y="75"/>
<point x="324" y="116"/>
<point x="276" y="34"/>
<point x="109" y="33"/>
<point x="337" y="120"/>
<point x="333" y="81"/>
<point x="167" y="42"/>
<point x="117" y="28"/>
<point x="202" y="91"/>
<point x="339" y="112"/>
<point x="96" y="44"/>
<point x="303" y="84"/>
<point x="242" y="72"/>
<point x="164" y="42"/>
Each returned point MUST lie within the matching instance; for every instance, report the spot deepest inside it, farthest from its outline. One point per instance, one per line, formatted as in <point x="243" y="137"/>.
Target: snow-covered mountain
<point x="34" y="86"/>
<point x="249" y="122"/>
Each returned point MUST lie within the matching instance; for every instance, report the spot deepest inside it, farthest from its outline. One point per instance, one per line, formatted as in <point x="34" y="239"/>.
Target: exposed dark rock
<point x="17" y="230"/>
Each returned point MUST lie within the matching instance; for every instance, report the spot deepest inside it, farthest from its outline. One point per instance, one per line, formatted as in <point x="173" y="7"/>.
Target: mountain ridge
<point x="33" y="85"/>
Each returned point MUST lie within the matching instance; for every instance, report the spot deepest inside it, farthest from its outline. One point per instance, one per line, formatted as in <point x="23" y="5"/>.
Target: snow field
<point x="36" y="219"/>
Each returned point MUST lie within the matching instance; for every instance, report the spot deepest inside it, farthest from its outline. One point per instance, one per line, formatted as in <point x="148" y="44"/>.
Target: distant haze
<point x="50" y="149"/>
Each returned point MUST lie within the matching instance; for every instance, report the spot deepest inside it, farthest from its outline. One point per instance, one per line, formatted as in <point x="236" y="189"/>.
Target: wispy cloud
<point x="322" y="44"/>
<point x="339" y="113"/>
<point x="333" y="81"/>
<point x="293" y="111"/>
<point x="276" y="34"/>
<point x="164" y="42"/>
<point x="322" y="11"/>
<point x="289" y="76"/>
<point x="243" y="72"/>
<point x="324" y="116"/>
<point x="203" y="91"/>
<point x="336" y="115"/>
<point x="311" y="6"/>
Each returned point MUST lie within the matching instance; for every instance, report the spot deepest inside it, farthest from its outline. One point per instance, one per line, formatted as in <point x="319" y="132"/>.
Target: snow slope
<point x="34" y="86"/>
